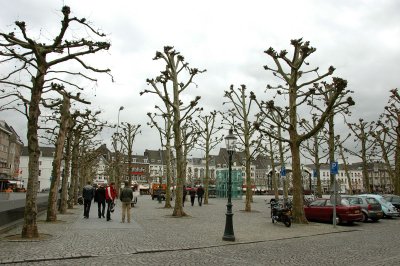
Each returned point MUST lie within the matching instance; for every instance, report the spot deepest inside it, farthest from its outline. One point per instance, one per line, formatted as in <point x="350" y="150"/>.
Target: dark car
<point x="394" y="199"/>
<point x="370" y="207"/>
<point x="321" y="210"/>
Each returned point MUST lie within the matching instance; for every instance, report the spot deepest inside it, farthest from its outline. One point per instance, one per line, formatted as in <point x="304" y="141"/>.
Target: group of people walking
<point x="103" y="195"/>
<point x="193" y="192"/>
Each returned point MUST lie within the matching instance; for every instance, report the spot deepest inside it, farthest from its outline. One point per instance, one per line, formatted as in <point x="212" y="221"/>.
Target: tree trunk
<point x="180" y="164"/>
<point x="75" y="169"/>
<point x="298" y="204"/>
<point x="65" y="176"/>
<point x="56" y="172"/>
<point x="207" y="178"/>
<point x="29" y="229"/>
<point x="346" y="169"/>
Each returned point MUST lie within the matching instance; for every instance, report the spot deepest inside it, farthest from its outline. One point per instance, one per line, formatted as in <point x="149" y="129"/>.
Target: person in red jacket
<point x="111" y="193"/>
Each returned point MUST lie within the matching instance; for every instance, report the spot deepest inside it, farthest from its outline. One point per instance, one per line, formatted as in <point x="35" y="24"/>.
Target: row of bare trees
<point x="41" y="77"/>
<point x="38" y="75"/>
<point x="278" y="124"/>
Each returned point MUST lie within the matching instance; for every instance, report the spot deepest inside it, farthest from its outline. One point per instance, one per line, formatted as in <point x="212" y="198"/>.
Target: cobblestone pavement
<point x="154" y="237"/>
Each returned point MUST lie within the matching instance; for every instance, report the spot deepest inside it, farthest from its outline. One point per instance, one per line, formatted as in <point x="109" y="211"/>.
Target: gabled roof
<point x="155" y="154"/>
<point x="223" y="157"/>
<point x="45" y="151"/>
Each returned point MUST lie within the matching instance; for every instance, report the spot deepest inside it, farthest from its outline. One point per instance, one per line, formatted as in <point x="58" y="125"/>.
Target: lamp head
<point x="230" y="141"/>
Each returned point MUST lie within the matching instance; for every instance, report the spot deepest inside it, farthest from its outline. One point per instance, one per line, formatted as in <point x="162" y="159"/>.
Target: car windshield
<point x="382" y="200"/>
<point x="343" y="202"/>
<point x="354" y="200"/>
<point x="372" y="201"/>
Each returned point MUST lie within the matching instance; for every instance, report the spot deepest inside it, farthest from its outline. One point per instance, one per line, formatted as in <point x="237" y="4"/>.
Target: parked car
<point x="322" y="210"/>
<point x="394" y="199"/>
<point x="388" y="209"/>
<point x="370" y="207"/>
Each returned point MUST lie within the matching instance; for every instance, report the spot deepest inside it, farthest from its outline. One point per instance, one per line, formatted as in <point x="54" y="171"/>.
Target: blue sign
<point x="314" y="172"/>
<point x="283" y="171"/>
<point x="334" y="168"/>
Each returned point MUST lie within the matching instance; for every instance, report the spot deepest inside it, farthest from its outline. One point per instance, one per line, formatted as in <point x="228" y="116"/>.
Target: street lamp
<point x="120" y="109"/>
<point x="229" y="235"/>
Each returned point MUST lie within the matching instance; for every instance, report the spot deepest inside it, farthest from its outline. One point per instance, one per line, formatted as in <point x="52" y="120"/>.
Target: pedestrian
<point x="200" y="193"/>
<point x="111" y="193"/>
<point x="184" y="192"/>
<point x="100" y="198"/>
<point x="126" y="198"/>
<point x="136" y="194"/>
<point x="192" y="194"/>
<point x="87" y="194"/>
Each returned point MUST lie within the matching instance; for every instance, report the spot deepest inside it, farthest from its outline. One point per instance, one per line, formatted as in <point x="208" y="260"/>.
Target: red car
<point x="322" y="210"/>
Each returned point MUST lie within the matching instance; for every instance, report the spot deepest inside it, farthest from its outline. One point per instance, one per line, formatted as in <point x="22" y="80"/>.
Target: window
<point x="318" y="203"/>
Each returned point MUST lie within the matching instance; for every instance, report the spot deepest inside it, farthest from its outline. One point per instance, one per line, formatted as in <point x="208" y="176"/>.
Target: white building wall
<point x="45" y="167"/>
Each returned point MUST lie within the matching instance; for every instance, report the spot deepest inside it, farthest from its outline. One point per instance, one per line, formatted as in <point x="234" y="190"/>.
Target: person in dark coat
<point x="200" y="193"/>
<point x="87" y="194"/>
<point x="100" y="198"/>
<point x="126" y="197"/>
<point x="192" y="194"/>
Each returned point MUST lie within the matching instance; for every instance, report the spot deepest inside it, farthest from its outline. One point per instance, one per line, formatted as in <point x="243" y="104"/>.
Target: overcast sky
<point x="359" y="38"/>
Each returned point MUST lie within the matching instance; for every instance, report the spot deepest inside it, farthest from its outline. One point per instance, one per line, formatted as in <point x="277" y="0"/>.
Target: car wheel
<point x="365" y="217"/>
<point x="374" y="220"/>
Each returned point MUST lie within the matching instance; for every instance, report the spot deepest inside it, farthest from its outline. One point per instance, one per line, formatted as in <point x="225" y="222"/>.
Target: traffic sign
<point x="283" y="171"/>
<point x="334" y="168"/>
<point x="314" y="172"/>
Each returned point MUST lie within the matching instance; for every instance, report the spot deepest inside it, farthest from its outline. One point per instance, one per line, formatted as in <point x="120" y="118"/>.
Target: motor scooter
<point x="281" y="213"/>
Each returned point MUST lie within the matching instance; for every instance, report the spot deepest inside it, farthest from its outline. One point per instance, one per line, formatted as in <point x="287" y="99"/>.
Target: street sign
<point x="314" y="171"/>
<point x="283" y="171"/>
<point x="334" y="168"/>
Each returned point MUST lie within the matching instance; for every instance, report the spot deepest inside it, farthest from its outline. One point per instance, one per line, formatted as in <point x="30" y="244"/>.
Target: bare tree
<point x="34" y="64"/>
<point x="291" y="73"/>
<point x="63" y="120"/>
<point x="313" y="147"/>
<point x="127" y="138"/>
<point x="362" y="135"/>
<point x="339" y="143"/>
<point x="165" y="132"/>
<point x="239" y="119"/>
<point x="175" y="64"/>
<point x="387" y="133"/>
<point x="207" y="141"/>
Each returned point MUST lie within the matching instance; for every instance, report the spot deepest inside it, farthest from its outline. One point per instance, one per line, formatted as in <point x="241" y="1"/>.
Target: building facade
<point x="45" y="167"/>
<point x="10" y="154"/>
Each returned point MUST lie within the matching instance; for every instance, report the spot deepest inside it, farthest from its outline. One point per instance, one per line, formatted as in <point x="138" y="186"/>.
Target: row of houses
<point x="150" y="167"/>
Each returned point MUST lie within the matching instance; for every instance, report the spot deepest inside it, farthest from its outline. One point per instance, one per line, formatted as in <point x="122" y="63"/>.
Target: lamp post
<point x="116" y="170"/>
<point x="229" y="235"/>
<point x="120" y="109"/>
